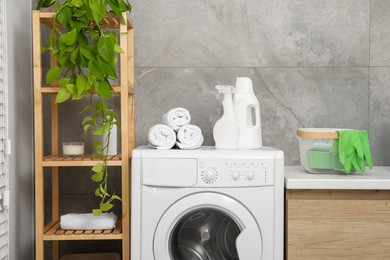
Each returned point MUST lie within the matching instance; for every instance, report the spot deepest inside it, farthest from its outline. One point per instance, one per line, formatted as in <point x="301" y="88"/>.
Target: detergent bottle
<point x="247" y="111"/>
<point x="225" y="130"/>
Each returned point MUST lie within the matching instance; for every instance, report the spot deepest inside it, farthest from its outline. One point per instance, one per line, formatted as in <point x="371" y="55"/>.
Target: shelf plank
<point x="55" y="89"/>
<point x="86" y="160"/>
<point x="55" y="233"/>
<point x="110" y="21"/>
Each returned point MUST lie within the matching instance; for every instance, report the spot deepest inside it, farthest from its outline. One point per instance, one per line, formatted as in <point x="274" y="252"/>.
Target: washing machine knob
<point x="236" y="175"/>
<point x="250" y="175"/>
<point x="210" y="175"/>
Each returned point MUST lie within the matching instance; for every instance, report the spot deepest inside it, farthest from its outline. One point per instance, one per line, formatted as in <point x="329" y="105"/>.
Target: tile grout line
<point x="369" y="68"/>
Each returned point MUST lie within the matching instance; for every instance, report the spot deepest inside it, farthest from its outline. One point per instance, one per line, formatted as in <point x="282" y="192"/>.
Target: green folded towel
<point x="354" y="150"/>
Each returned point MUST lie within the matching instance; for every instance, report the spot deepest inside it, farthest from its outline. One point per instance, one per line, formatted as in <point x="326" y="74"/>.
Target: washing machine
<point x="207" y="204"/>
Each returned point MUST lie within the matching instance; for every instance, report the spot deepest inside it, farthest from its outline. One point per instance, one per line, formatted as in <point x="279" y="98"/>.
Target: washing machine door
<point x="207" y="226"/>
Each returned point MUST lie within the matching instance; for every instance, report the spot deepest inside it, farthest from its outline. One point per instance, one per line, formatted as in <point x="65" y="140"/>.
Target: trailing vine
<point x="86" y="54"/>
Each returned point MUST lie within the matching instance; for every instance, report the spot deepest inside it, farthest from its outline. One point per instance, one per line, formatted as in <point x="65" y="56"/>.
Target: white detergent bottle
<point x="247" y="111"/>
<point x="225" y="129"/>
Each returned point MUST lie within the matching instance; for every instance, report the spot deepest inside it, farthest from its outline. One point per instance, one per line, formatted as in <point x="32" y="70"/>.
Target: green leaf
<point x="97" y="144"/>
<point x="109" y="69"/>
<point x="98" y="167"/>
<point x="86" y="127"/>
<point x="77" y="25"/>
<point x="63" y="81"/>
<point x="53" y="74"/>
<point x="115" y="8"/>
<point x="98" y="8"/>
<point x="97" y="193"/>
<point x="62" y="95"/>
<point x="95" y="69"/>
<point x="98" y="154"/>
<point x="79" y="12"/>
<point x="64" y="15"/>
<point x="69" y="38"/>
<point x="94" y="34"/>
<point x="117" y="48"/>
<point x="102" y="129"/>
<point x="112" y="113"/>
<point x="97" y="177"/>
<point x="103" y="89"/>
<point x="89" y="107"/>
<point x="103" y="190"/>
<point x="74" y="56"/>
<point x="91" y="78"/>
<point x="81" y="84"/>
<point x="77" y="3"/>
<point x="106" y="206"/>
<point x="86" y="120"/>
<point x="71" y="88"/>
<point x="116" y="197"/>
<point x="106" y="48"/>
<point x="124" y="5"/>
<point x="96" y="212"/>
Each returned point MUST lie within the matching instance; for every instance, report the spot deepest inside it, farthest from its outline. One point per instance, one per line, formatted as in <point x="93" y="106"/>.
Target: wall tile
<point x="289" y="99"/>
<point x="251" y="33"/>
<point x="380" y="115"/>
<point x="380" y="33"/>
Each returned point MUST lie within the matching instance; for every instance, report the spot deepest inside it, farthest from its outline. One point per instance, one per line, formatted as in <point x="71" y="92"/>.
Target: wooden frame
<point x="52" y="230"/>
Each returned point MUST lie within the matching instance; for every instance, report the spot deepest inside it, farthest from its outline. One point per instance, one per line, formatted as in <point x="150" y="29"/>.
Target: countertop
<point x="378" y="178"/>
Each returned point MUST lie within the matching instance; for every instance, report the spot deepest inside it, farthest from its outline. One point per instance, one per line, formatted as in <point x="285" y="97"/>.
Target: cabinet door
<point x="338" y="229"/>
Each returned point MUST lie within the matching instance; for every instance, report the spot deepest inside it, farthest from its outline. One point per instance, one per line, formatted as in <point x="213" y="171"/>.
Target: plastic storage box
<point x="318" y="148"/>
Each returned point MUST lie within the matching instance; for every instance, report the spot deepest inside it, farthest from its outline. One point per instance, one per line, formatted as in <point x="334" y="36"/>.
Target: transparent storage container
<point x="318" y="148"/>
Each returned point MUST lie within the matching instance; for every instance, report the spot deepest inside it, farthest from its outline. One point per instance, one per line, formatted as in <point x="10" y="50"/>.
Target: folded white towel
<point x="176" y="118"/>
<point x="189" y="137"/>
<point x="87" y="221"/>
<point x="161" y="137"/>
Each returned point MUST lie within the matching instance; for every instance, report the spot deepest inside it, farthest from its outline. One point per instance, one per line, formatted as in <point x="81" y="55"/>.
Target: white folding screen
<point x="4" y="145"/>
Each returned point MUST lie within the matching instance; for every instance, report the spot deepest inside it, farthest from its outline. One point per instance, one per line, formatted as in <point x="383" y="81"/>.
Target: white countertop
<point x="296" y="177"/>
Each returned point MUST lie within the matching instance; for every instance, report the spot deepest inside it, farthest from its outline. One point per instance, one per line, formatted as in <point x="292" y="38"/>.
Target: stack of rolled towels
<point x="175" y="130"/>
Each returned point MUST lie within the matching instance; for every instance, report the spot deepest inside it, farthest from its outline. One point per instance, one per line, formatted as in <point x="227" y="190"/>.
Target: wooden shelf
<point x="111" y="21"/>
<point x="125" y="90"/>
<point x="56" y="89"/>
<point x="58" y="160"/>
<point x="54" y="232"/>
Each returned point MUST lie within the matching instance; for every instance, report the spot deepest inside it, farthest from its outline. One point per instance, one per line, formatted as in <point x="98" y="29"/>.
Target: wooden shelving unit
<point x="51" y="231"/>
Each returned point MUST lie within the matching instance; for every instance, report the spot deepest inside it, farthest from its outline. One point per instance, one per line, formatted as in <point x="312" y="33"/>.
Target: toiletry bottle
<point x="247" y="111"/>
<point x="225" y="129"/>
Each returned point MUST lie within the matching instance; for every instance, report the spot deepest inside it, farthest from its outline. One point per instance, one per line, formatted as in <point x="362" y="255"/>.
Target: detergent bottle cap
<point x="244" y="85"/>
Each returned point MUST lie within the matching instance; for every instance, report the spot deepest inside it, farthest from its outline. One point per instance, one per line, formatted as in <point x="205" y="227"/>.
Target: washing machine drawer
<point x="169" y="172"/>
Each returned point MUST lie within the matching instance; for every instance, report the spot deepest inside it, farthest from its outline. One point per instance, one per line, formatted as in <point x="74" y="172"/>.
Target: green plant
<point x="87" y="55"/>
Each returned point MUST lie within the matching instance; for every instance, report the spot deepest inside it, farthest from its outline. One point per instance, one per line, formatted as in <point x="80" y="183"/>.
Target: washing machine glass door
<point x="207" y="226"/>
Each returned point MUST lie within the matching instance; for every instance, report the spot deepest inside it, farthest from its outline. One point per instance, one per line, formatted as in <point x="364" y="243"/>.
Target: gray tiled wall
<point x="314" y="63"/>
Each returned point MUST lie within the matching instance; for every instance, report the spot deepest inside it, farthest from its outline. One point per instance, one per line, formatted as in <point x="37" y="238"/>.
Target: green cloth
<point x="354" y="150"/>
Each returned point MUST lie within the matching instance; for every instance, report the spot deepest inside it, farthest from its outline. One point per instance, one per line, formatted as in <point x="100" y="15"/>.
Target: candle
<point x="72" y="149"/>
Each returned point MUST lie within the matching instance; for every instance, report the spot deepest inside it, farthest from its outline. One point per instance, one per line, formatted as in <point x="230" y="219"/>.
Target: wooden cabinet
<point x="337" y="224"/>
<point x="50" y="230"/>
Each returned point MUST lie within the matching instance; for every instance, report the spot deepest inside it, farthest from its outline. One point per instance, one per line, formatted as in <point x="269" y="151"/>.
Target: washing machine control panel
<point x="235" y="172"/>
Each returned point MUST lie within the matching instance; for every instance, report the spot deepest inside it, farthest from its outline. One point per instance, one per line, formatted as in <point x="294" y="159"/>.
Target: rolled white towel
<point x="189" y="137"/>
<point x="88" y="221"/>
<point x="161" y="137"/>
<point x="176" y="118"/>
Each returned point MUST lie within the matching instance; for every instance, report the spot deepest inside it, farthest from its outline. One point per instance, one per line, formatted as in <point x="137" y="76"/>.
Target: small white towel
<point x="176" y="118"/>
<point x="189" y="137"/>
<point x="161" y="137"/>
<point x="87" y="221"/>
